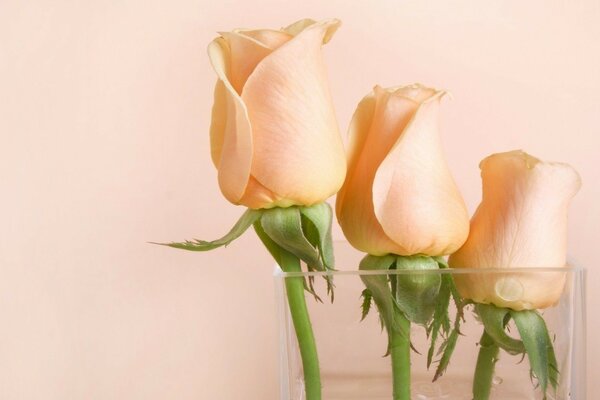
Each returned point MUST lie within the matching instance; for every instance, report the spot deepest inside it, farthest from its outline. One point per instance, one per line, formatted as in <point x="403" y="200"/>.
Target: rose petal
<point x="415" y="198"/>
<point x="376" y="125"/>
<point x="246" y="51"/>
<point x="293" y="121"/>
<point x="521" y="222"/>
<point x="230" y="130"/>
<point x="269" y="38"/>
<point x="257" y="196"/>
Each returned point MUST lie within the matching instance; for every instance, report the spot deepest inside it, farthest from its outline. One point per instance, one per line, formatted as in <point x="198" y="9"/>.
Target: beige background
<point x="104" y="115"/>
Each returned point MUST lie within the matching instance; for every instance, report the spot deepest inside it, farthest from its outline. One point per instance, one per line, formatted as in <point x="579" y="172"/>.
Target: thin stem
<point x="306" y="340"/>
<point x="484" y="371"/>
<point x="400" y="354"/>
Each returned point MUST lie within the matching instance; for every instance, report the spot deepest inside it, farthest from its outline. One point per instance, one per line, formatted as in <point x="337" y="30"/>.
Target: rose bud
<point x="399" y="196"/>
<point x="274" y="134"/>
<point x="520" y="223"/>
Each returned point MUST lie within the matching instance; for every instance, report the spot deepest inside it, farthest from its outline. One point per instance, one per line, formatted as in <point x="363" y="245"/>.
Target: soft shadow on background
<point x="104" y="118"/>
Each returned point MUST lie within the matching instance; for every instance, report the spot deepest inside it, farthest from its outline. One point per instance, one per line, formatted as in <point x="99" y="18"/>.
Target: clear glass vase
<point x="351" y="351"/>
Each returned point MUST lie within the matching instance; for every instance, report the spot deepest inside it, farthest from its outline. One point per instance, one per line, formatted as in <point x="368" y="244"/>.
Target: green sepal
<point x="304" y="232"/>
<point x="246" y="220"/>
<point x="495" y="320"/>
<point x="280" y="255"/>
<point x="317" y="222"/>
<point x="274" y="249"/>
<point x="379" y="288"/>
<point x="316" y="225"/>
<point x="417" y="294"/>
<point x="538" y="346"/>
<point x="440" y="323"/>
<point x="284" y="227"/>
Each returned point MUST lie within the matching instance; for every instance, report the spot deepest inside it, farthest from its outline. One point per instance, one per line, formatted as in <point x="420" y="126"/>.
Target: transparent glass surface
<point x="351" y="351"/>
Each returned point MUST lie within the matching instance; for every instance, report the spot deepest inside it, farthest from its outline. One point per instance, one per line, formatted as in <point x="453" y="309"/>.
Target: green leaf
<point x="380" y="290"/>
<point x="417" y="293"/>
<point x="538" y="346"/>
<point x="440" y="320"/>
<point x="284" y="227"/>
<point x="447" y="350"/>
<point x="246" y="220"/>
<point x="494" y="320"/>
<point x="318" y="219"/>
<point x="366" y="304"/>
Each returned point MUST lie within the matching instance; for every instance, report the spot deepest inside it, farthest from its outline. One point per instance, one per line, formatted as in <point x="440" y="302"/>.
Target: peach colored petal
<point x="294" y="128"/>
<point x="230" y="130"/>
<point x="257" y="196"/>
<point x="269" y="38"/>
<point x="358" y="131"/>
<point x="218" y="123"/>
<point x="297" y="27"/>
<point x="246" y="52"/>
<point x="415" y="198"/>
<point x="521" y="222"/>
<point x="376" y="125"/>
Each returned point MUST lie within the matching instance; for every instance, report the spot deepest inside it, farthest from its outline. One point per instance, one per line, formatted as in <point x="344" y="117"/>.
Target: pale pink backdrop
<point x="104" y="115"/>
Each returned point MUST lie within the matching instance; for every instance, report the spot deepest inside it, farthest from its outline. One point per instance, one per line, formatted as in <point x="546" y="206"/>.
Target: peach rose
<point x="521" y="222"/>
<point x="274" y="135"/>
<point x="399" y="196"/>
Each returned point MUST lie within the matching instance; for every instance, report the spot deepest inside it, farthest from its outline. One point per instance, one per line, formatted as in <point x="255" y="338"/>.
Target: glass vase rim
<point x="279" y="273"/>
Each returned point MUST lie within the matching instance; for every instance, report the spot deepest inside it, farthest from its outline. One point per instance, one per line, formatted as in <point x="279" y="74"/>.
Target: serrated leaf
<point x="380" y="289"/>
<point x="417" y="293"/>
<point x="494" y="320"/>
<point x="440" y="319"/>
<point x="540" y="351"/>
<point x="284" y="227"/>
<point x="366" y="303"/>
<point x="448" y="348"/>
<point x="246" y="221"/>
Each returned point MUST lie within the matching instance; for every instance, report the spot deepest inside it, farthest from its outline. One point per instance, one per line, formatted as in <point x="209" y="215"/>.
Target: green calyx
<point x="414" y="293"/>
<point x="535" y="340"/>
<point x="301" y="231"/>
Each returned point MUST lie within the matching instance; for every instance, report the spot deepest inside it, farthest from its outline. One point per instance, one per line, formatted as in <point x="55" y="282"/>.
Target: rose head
<point x="521" y="222"/>
<point x="274" y="135"/>
<point x="399" y="196"/>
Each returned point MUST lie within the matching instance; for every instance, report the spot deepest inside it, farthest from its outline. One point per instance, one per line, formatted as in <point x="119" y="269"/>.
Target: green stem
<point x="400" y="353"/>
<point x="306" y="340"/>
<point x="484" y="371"/>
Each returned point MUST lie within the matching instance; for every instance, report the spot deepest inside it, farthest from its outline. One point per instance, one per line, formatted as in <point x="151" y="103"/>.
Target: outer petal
<point x="231" y="135"/>
<point x="521" y="222"/>
<point x="247" y="49"/>
<point x="377" y="123"/>
<point x="257" y="196"/>
<point x="269" y="38"/>
<point x="295" y="132"/>
<point x="297" y="27"/>
<point x="415" y="198"/>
